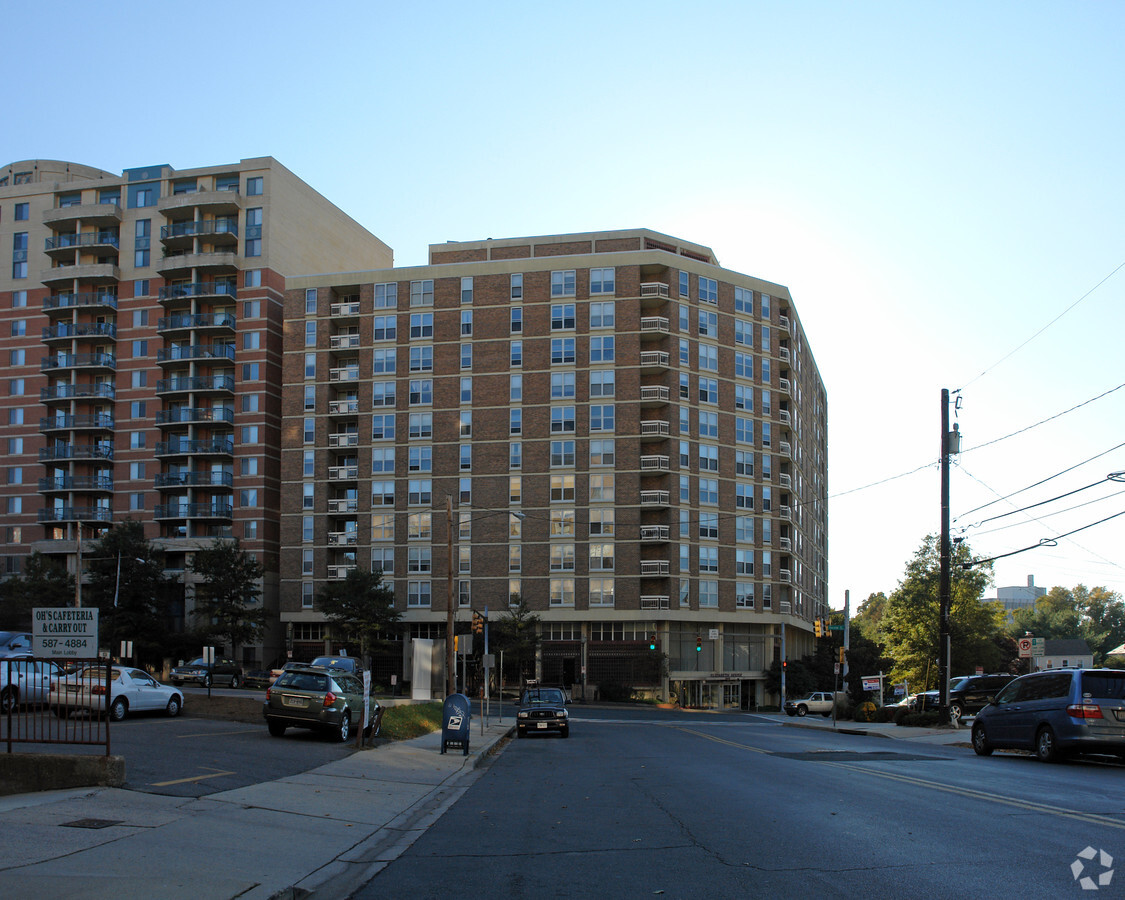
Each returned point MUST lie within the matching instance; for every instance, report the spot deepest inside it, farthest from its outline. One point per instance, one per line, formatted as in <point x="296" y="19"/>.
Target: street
<point x="680" y="805"/>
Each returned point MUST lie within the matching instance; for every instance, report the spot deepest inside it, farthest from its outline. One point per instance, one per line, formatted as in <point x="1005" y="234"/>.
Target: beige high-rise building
<point x="141" y="317"/>
<point x="630" y="438"/>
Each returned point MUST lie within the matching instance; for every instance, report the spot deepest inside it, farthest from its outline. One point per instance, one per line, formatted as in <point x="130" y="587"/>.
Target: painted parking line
<point x="215" y="774"/>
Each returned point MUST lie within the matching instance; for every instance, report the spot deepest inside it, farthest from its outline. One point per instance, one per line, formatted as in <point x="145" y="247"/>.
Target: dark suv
<point x="1056" y="712"/>
<point x="970" y="694"/>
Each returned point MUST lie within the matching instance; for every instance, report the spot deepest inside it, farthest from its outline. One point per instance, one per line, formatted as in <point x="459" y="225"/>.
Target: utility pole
<point x="950" y="443"/>
<point x="450" y="670"/>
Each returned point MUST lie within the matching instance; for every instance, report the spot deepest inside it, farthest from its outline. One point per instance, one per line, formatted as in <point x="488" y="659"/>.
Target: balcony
<point x="785" y="608"/>
<point x="655" y="534"/>
<point x="61" y="452"/>
<point x="654" y="293"/>
<point x="78" y="361"/>
<point x="65" y="331"/>
<point x="655" y="498"/>
<point x="183" y="234"/>
<point x="346" y="439"/>
<point x="206" y="447"/>
<point x="344" y="373"/>
<point x="100" y="421"/>
<point x="784" y="575"/>
<point x="785" y="449"/>
<point x="75" y="514"/>
<point x="103" y="483"/>
<point x="188" y="290"/>
<point x="654" y="428"/>
<point x="343" y="341"/>
<point x="785" y="480"/>
<point x="655" y="601"/>
<point x="347" y="407"/>
<point x="193" y="511"/>
<point x="90" y="213"/>
<point x="786" y="323"/>
<point x="654" y="360"/>
<point x="343" y="505"/>
<point x="785" y="512"/>
<point x="654" y="326"/>
<point x="215" y="202"/>
<point x="339" y="573"/>
<point x="349" y="309"/>
<point x="343" y="473"/>
<point x="223" y="321"/>
<point x="655" y="567"/>
<point x="783" y="353"/>
<point x="342" y="538"/>
<point x="59" y="392"/>
<point x="785" y="544"/>
<point x="177" y="261"/>
<point x="784" y="417"/>
<point x="185" y="415"/>
<point x="176" y="480"/>
<point x="196" y="384"/>
<point x="92" y="272"/>
<point x="655" y="464"/>
<point x="67" y="300"/>
<point x="62" y="246"/>
<point x="193" y="352"/>
<point x="654" y="394"/>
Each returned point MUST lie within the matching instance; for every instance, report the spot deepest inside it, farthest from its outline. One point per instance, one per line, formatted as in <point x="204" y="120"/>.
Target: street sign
<point x="712" y="634"/>
<point x="1038" y="646"/>
<point x="1024" y="647"/>
<point x="65" y="632"/>
<point x="870" y="683"/>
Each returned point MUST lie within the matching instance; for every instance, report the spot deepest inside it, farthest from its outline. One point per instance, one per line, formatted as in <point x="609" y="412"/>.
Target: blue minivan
<point x="1056" y="712"/>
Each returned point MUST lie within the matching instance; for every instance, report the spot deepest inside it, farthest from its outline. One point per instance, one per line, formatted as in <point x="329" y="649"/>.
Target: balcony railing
<point x="100" y="390"/>
<point x="343" y="440"/>
<point x="785" y="512"/>
<point x="342" y="538"/>
<point x="184" y="415"/>
<point x="351" y="308"/>
<point x="654" y="498"/>
<point x="345" y="373"/>
<point x="190" y="352"/>
<point x="76" y="483"/>
<point x="71" y="300"/>
<point x="103" y="421"/>
<point x="78" y="241"/>
<point x="193" y="511"/>
<point x="654" y="325"/>
<point x="198" y="289"/>
<point x="343" y="505"/>
<point x="784" y="575"/>
<point x="196" y="384"/>
<point x="197" y="320"/>
<point x="78" y="361"/>
<point x="654" y="567"/>
<point x="786" y="449"/>
<point x="655" y="601"/>
<point x="75" y="514"/>
<point x="343" y="341"/>
<point x="785" y="544"/>
<point x="655" y="464"/>
<point x="785" y="480"/>
<point x="655" y="533"/>
<point x="201" y="228"/>
<point x="75" y="451"/>
<point x="194" y="479"/>
<point x="655" y="393"/>
<point x="784" y="385"/>
<point x="343" y="473"/>
<point x="338" y="573"/>
<point x="208" y="447"/>
<point x="343" y="407"/>
<point x="783" y="353"/>
<point x="655" y="428"/>
<point x="654" y="289"/>
<point x="66" y="330"/>
<point x="654" y="359"/>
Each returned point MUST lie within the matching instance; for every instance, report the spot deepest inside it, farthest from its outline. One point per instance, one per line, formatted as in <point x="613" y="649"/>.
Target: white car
<point x="131" y="690"/>
<point x="25" y="682"/>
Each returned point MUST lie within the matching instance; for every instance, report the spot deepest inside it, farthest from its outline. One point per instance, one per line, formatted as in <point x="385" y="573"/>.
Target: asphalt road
<point x="679" y="805"/>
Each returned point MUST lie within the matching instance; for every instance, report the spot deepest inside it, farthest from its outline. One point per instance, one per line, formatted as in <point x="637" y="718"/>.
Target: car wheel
<point x="205" y="681"/>
<point x="234" y="681"/>
<point x="790" y="712"/>
<point x="175" y="704"/>
<point x="954" y="712"/>
<point x="8" y="700"/>
<point x="277" y="729"/>
<point x="980" y="741"/>
<point x="802" y="710"/>
<point x="118" y="709"/>
<point x="1046" y="748"/>
<point x="344" y="730"/>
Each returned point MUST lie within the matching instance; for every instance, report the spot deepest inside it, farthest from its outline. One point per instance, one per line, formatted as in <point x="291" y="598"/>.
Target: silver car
<point x="1056" y="712"/>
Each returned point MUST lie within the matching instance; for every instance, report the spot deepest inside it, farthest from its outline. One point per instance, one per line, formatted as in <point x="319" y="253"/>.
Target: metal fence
<point x="48" y="702"/>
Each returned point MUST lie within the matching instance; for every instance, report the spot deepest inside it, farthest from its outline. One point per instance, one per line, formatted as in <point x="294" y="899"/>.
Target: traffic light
<point x="652" y="642"/>
<point x="818" y="628"/>
<point x="455" y="648"/>
<point x="478" y="623"/>
<point x="785" y="664"/>
<point x="841" y="656"/>
<point x="699" y="645"/>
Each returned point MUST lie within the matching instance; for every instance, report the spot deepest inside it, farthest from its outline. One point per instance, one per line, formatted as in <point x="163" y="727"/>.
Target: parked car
<point x="341" y="663"/>
<point x="25" y="682"/>
<point x="542" y="710"/>
<point x="817" y="702"/>
<point x="1056" y="712"/>
<point x="315" y="697"/>
<point x="971" y="693"/>
<point x="224" y="671"/>
<point x="14" y="643"/>
<point x="131" y="691"/>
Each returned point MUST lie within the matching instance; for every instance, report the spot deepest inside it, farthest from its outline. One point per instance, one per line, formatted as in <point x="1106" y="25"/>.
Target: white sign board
<point x="712" y="634"/>
<point x="871" y="683"/>
<point x="1024" y="645"/>
<point x="66" y="632"/>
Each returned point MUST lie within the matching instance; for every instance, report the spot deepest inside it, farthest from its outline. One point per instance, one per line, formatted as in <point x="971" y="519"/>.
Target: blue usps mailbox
<point x="455" y="717"/>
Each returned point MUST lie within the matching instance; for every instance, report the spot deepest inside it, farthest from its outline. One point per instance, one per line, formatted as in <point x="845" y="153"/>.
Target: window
<point x="765" y="371"/>
<point x="383" y="560"/>
<point x="252" y="309"/>
<point x="601" y="281"/>
<point x="17" y="358"/>
<point x="743" y="462"/>
<point x="15" y="446"/>
<point x="136" y="440"/>
<point x="601" y="488"/>
<point x="466" y="356"/>
<point x="562" y="419"/>
<point x="16" y="387"/>
<point x="743" y="301"/>
<point x="767" y="437"/>
<point x="19" y="327"/>
<point x="602" y="453"/>
<point x="601" y="349"/>
<point x="419" y="492"/>
<point x="383" y="393"/>
<point x="382" y="493"/>
<point x="22" y="212"/>
<point x="743" y="365"/>
<point x="382" y="460"/>
<point x="308" y="431"/>
<point x="562" y="488"/>
<point x="602" y="314"/>
<point x="421" y="325"/>
<point x="137" y="409"/>
<point x="744" y="529"/>
<point x="708" y="458"/>
<point x="383" y="427"/>
<point x="421" y="459"/>
<point x="417" y="594"/>
<point x="515" y="455"/>
<point x="310" y="301"/>
<point x="421" y="392"/>
<point x="708" y="390"/>
<point x="684" y="292"/>
<point x="515" y="284"/>
<point x="515" y="421"/>
<point x="19" y="299"/>
<point x="421" y="426"/>
<point x="421" y="359"/>
<point x="15" y="475"/>
<point x="515" y="354"/>
<point x="602" y="417"/>
<point x="310" y="365"/>
<point x="419" y="560"/>
<point x="562" y="454"/>
<point x="466" y="423"/>
<point x="708" y="290"/>
<point x="708" y="324"/>
<point x="709" y="357"/>
<point x="467" y="289"/>
<point x="384" y="328"/>
<point x="308" y="496"/>
<point x="383" y="526"/>
<point x="601" y="592"/>
<point x="250" y="372"/>
<point x="515" y="319"/>
<point x="601" y="557"/>
<point x="562" y="385"/>
<point x="744" y="397"/>
<point x="15" y="416"/>
<point x="19" y="254"/>
<point x="467" y="389"/>
<point x="602" y="383"/>
<point x="386" y="296"/>
<point x="562" y="351"/>
<point x="709" y="526"/>
<point x="465" y="457"/>
<point x="562" y="592"/>
<point x="709" y="491"/>
<point x="422" y="292"/>
<point x="562" y="317"/>
<point x="708" y="424"/>
<point x="765" y="306"/>
<point x="744" y="496"/>
<point x="743" y="430"/>
<point x="383" y="361"/>
<point x="708" y="559"/>
<point x="743" y="333"/>
<point x="308" y="464"/>
<point x="466" y="323"/>
<point x="254" y="186"/>
<point x="562" y="557"/>
<point x="708" y="594"/>
<point x="562" y="283"/>
<point x="767" y="499"/>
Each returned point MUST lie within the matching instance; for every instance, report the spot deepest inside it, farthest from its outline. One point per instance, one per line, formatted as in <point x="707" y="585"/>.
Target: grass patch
<point x="401" y="723"/>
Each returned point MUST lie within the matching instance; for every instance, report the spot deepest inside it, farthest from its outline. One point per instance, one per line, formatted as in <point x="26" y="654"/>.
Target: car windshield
<point x="196" y="662"/>
<point x="957" y="683"/>
<point x="543" y="696"/>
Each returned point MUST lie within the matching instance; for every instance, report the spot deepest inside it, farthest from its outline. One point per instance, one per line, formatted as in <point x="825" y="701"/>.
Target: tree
<point x="227" y="595"/>
<point x="363" y="609"/>
<point x="868" y="618"/>
<point x="42" y="583"/>
<point x="1094" y="615"/>
<point x="126" y="582"/>
<point x="911" y="621"/>
<point x="516" y="634"/>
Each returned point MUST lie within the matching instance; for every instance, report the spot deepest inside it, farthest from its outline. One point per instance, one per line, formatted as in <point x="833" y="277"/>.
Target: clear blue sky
<point x="935" y="183"/>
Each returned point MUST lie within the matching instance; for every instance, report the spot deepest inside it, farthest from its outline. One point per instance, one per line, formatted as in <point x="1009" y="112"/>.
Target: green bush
<point x="615" y="692"/>
<point x="865" y="712"/>
<point x="927" y="719"/>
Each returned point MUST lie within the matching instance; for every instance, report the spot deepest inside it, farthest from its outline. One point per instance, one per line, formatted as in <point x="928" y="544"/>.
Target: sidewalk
<point x="949" y="735"/>
<point x="326" y="831"/>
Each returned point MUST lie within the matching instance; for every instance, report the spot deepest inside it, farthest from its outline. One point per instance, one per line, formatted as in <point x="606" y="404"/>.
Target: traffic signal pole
<point x="948" y="441"/>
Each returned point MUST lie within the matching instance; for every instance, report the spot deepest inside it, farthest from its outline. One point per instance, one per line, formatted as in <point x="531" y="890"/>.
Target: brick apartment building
<point x="141" y="317"/>
<point x="629" y="438"/>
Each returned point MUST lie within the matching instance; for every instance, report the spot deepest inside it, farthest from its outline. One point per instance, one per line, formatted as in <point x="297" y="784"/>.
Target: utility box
<point x="456" y="715"/>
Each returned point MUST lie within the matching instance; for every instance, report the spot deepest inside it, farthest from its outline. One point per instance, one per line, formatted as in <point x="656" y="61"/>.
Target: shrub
<point x="927" y="719"/>
<point x="615" y="692"/>
<point x="865" y="712"/>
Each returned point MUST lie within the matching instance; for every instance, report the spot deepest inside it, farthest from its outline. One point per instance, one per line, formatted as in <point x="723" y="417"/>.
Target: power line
<point x="1043" y="542"/>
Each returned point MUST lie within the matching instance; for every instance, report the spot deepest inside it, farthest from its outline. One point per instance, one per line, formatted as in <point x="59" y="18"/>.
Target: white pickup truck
<point x="816" y="702"/>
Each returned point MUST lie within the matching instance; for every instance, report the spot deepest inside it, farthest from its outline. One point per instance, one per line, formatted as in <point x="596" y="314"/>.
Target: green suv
<point x="309" y="697"/>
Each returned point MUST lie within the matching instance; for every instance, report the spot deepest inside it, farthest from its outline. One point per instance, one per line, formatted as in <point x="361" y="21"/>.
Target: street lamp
<point x="450" y="669"/>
